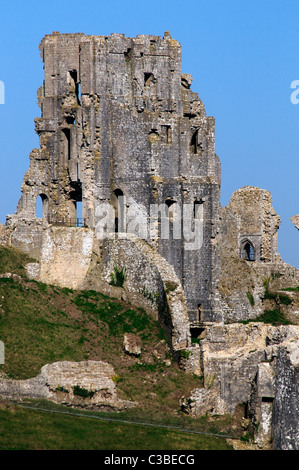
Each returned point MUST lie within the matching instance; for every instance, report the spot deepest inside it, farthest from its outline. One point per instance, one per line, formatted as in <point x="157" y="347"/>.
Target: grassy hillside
<point x="25" y="429"/>
<point x="41" y="324"/>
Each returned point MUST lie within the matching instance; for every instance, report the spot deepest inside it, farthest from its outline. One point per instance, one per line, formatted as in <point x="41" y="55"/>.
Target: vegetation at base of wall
<point x="118" y="277"/>
<point x="59" y="388"/>
<point x="291" y="289"/>
<point x="272" y="317"/>
<point x="83" y="392"/>
<point x="276" y="296"/>
<point x="185" y="354"/>
<point x="13" y="261"/>
<point x="42" y="324"/>
<point x="247" y="437"/>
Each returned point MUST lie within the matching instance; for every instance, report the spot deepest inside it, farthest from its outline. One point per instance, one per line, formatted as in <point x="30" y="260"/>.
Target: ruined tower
<point x="120" y="125"/>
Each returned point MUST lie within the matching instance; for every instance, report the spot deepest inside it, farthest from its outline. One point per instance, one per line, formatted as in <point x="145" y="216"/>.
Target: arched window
<point x="247" y="251"/>
<point x="41" y="206"/>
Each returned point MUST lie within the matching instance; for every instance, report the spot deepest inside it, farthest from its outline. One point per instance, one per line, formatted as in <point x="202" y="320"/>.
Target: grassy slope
<point x="42" y="324"/>
<point x="23" y="429"/>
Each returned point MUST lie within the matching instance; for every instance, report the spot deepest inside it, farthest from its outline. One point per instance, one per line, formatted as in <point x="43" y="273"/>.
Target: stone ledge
<point x="56" y="383"/>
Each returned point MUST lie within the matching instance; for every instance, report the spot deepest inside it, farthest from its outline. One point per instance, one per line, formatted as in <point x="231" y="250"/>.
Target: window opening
<point x="193" y="143"/>
<point x="119" y="207"/>
<point x="74" y="85"/>
<point x="76" y="208"/>
<point x="148" y="79"/>
<point x="248" y="251"/>
<point x="41" y="206"/>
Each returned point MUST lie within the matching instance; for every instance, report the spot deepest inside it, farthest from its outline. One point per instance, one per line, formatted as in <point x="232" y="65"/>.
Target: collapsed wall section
<point x="249" y="259"/>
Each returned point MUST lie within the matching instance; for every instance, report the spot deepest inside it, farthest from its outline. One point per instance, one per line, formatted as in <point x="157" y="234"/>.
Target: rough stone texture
<point x="250" y="217"/>
<point x="256" y="365"/>
<point x="56" y="382"/>
<point x="66" y="255"/>
<point x="121" y="127"/>
<point x="132" y="344"/>
<point x="119" y="117"/>
<point x="295" y="220"/>
<point x="286" y="404"/>
<point x="257" y="221"/>
<point x="74" y="258"/>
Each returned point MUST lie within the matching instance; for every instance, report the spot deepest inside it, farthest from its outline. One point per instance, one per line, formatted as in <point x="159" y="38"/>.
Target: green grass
<point x="272" y="317"/>
<point x="12" y="260"/>
<point x="24" y="429"/>
<point x="41" y="324"/>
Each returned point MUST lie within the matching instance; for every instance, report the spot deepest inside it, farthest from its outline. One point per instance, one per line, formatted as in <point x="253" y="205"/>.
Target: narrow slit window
<point x="194" y="142"/>
<point x="66" y="133"/>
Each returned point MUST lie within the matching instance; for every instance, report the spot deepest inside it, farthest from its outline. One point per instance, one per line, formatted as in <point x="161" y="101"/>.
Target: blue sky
<point x="243" y="56"/>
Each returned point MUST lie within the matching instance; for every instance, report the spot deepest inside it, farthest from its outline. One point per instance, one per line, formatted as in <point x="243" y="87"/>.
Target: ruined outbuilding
<point x="129" y="183"/>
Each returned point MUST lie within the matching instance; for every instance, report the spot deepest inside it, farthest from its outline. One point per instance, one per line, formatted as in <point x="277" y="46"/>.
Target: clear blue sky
<point x="243" y="56"/>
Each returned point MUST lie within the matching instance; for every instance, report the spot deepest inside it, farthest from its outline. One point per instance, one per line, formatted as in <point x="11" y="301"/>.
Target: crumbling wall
<point x="286" y="404"/>
<point x="74" y="258"/>
<point x="119" y="117"/>
<point x="249" y="216"/>
<point x="150" y="282"/>
<point x="255" y="365"/>
<point x="57" y="382"/>
<point x="295" y="220"/>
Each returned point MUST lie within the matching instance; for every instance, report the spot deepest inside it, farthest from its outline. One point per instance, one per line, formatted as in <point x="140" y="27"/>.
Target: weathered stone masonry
<point x="119" y="119"/>
<point x="121" y="128"/>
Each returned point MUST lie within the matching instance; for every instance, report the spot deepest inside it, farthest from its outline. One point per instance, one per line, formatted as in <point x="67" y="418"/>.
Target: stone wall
<point x="249" y="216"/>
<point x="119" y="119"/>
<point x="255" y="365"/>
<point x="74" y="258"/>
<point x="56" y="382"/>
<point x="286" y="404"/>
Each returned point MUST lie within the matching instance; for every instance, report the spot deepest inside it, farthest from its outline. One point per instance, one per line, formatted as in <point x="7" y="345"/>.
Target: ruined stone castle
<point x="128" y="179"/>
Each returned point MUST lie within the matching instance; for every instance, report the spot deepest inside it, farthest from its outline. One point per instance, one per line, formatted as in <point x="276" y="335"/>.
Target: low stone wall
<point x="56" y="382"/>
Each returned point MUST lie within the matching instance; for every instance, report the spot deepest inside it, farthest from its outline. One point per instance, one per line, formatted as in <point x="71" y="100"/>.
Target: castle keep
<point x="129" y="182"/>
<point x="120" y="125"/>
